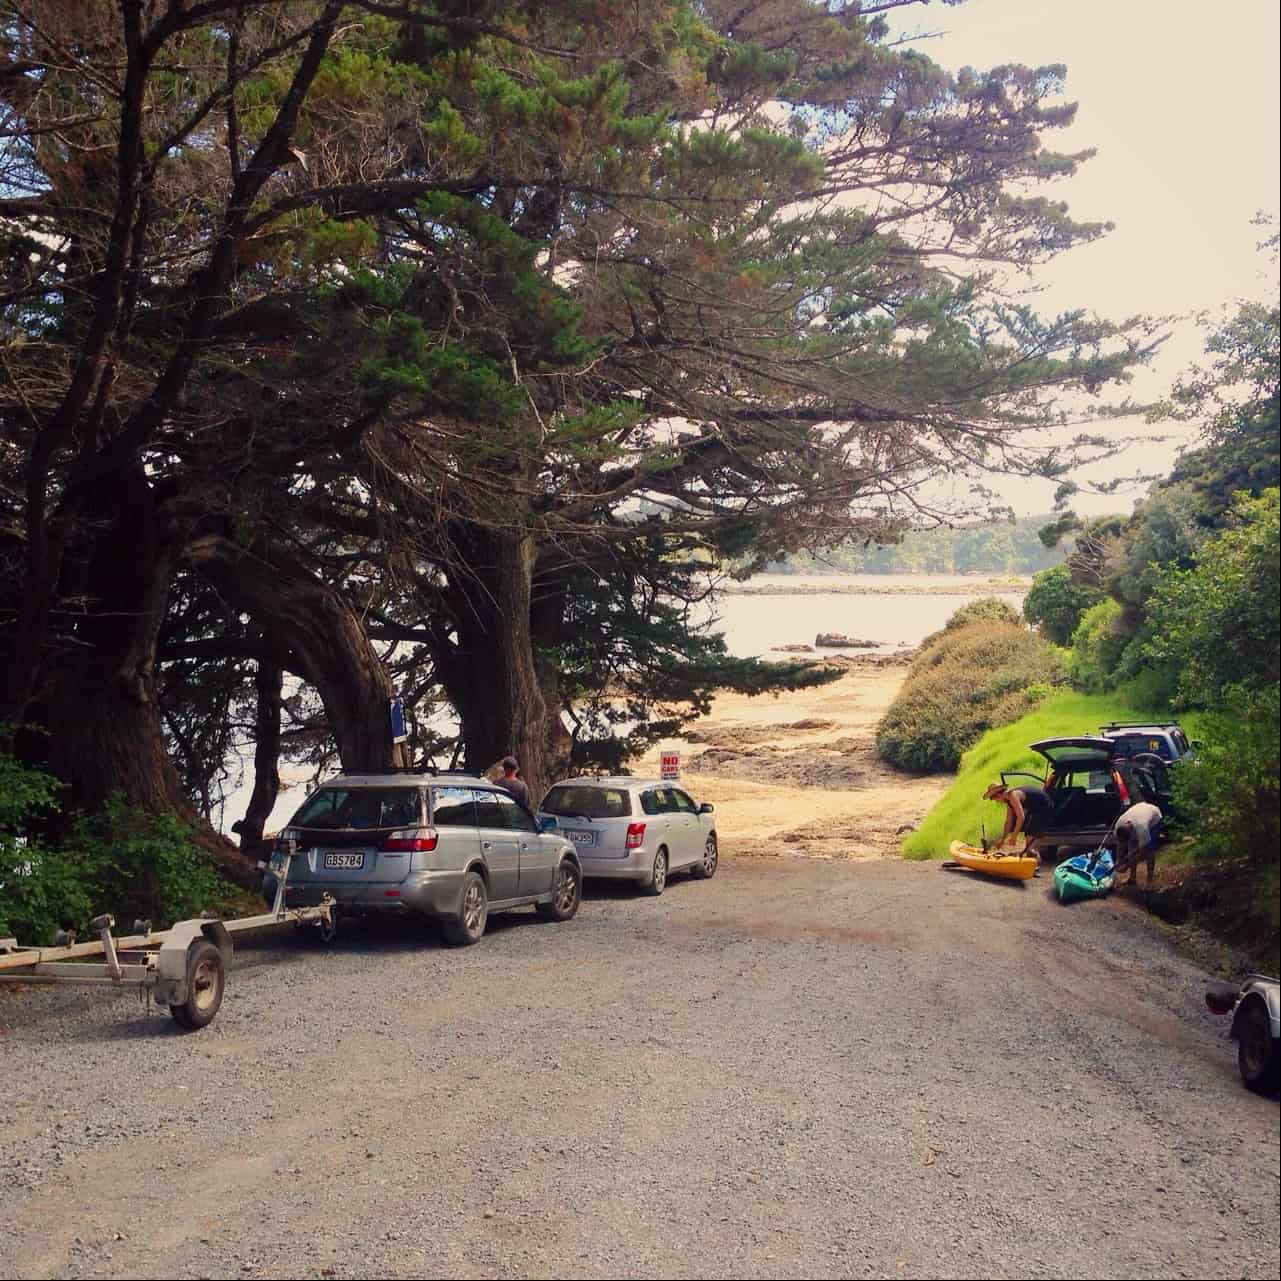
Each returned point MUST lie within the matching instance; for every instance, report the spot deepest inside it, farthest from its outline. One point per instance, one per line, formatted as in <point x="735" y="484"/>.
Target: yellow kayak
<point x="1013" y="865"/>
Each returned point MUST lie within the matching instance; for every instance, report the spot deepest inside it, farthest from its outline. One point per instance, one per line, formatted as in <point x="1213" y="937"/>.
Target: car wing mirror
<point x="707" y="808"/>
<point x="548" y="822"/>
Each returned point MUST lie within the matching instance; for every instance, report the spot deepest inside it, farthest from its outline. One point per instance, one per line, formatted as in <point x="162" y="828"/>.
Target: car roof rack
<point x="1141" y="725"/>
<point x="401" y="769"/>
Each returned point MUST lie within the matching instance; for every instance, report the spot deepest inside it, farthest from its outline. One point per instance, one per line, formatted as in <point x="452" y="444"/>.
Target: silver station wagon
<point x="635" y="829"/>
<point x="452" y="848"/>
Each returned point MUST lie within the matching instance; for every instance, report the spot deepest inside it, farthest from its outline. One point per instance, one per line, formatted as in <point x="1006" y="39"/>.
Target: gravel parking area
<point x="798" y="1069"/>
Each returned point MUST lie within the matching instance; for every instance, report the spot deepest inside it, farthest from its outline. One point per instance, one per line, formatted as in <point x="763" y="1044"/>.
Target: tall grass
<point x="961" y="812"/>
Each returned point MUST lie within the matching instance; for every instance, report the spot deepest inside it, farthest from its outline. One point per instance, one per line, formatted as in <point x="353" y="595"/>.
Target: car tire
<point x="706" y="867"/>
<point x="567" y="893"/>
<point x="657" y="882"/>
<point x="206" y="982"/>
<point x="473" y="913"/>
<point x="1257" y="1052"/>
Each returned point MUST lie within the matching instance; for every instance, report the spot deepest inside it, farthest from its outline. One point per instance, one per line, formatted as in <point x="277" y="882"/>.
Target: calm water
<point x="753" y="625"/>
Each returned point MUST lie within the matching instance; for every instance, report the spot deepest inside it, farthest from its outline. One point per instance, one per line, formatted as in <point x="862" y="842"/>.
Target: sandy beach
<point x="868" y="586"/>
<point x="797" y="774"/>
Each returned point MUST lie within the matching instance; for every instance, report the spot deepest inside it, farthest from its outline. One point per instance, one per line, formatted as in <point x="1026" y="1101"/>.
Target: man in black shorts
<point x="1027" y="809"/>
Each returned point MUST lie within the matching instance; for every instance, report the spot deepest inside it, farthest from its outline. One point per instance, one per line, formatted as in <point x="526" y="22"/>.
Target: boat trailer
<point x="183" y="967"/>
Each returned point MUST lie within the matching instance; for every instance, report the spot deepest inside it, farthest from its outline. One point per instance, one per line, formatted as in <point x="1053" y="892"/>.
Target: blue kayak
<point x="1085" y="876"/>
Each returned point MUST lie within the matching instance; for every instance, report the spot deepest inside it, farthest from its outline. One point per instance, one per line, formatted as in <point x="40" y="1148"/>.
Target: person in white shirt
<point x="1137" y="832"/>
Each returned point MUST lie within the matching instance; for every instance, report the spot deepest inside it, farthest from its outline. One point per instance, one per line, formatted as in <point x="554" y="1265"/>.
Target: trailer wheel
<point x="206" y="981"/>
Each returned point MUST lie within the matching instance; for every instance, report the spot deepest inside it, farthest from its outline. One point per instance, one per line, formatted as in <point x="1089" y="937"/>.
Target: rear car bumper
<point x="1076" y="837"/>
<point x="430" y="893"/>
<point x="634" y="865"/>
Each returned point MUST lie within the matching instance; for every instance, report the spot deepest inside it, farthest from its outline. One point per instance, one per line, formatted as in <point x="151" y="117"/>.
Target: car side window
<point x="454" y="807"/>
<point x="515" y="816"/>
<point x="487" y="812"/>
<point x="649" y="801"/>
<point x="683" y="802"/>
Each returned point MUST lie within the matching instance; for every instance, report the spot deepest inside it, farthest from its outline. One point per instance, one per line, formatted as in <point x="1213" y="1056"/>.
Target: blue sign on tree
<point x="399" y="732"/>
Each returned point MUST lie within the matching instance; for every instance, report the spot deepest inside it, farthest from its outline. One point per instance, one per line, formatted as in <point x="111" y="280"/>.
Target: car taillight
<point x="1221" y="998"/>
<point x="635" y="835"/>
<point x="286" y="842"/>
<point x="415" y="840"/>
<point x="1121" y="790"/>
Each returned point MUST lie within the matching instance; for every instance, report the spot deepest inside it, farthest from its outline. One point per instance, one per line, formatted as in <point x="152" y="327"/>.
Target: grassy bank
<point x="961" y="811"/>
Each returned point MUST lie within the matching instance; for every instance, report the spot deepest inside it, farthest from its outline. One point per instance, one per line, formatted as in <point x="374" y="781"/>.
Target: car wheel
<point x="1257" y="1054"/>
<point x="206" y="982"/>
<point x="468" y="926"/>
<point x="567" y="893"/>
<point x="705" y="869"/>
<point x="657" y="882"/>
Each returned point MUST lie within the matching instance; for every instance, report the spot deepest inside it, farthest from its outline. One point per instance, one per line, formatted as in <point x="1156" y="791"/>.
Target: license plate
<point x="581" y="838"/>
<point x="346" y="861"/>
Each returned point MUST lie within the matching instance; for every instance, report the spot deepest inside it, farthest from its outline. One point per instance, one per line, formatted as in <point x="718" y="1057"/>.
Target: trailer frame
<point x="183" y="967"/>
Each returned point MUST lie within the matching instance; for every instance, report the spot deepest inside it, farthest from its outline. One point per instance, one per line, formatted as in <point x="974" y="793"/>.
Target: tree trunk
<point x="313" y="632"/>
<point x="268" y="686"/>
<point x="103" y="734"/>
<point x="492" y="677"/>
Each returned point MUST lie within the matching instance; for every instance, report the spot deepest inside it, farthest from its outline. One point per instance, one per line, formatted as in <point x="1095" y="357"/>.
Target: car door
<point x="685" y="829"/>
<point x="498" y="844"/>
<point x="658" y="802"/>
<point x="537" y="853"/>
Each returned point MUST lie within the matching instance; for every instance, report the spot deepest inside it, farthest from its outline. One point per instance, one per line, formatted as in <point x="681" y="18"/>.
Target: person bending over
<point x="1027" y="810"/>
<point x="1137" y="832"/>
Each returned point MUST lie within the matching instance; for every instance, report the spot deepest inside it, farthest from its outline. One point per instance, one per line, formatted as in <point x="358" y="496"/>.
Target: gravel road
<point x="798" y="1069"/>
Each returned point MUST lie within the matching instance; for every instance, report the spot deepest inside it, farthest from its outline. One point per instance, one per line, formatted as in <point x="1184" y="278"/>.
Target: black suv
<point x="1091" y="782"/>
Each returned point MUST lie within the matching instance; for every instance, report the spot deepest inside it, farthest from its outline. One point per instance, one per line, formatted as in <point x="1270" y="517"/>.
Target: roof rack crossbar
<point x="394" y="769"/>
<point x="429" y="770"/>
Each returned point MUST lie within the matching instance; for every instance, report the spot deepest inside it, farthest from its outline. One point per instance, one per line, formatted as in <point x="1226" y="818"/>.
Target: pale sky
<point x="1181" y="103"/>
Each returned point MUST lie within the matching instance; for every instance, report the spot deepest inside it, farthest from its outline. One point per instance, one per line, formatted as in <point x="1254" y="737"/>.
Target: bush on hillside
<point x="1055" y="603"/>
<point x="986" y="609"/>
<point x="968" y="680"/>
<point x="1230" y="791"/>
<point x="1098" y="646"/>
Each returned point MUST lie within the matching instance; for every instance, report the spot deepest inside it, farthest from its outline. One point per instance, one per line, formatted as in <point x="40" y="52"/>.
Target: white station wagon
<point x="634" y="829"/>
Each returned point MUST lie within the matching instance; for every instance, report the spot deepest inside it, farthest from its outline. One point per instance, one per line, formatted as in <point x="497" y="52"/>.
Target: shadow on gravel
<point x="607" y="891"/>
<point x="978" y="878"/>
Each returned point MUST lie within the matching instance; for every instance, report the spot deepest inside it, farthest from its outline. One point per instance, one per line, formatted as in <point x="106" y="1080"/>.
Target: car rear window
<point x="569" y="799"/>
<point x="1134" y="744"/>
<point x="341" y="808"/>
<point x="1088" y="780"/>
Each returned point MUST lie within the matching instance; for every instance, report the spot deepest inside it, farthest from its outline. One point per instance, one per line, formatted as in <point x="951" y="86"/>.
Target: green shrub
<point x="120" y="860"/>
<point x="1152" y="687"/>
<point x="1056" y="603"/>
<point x="1097" y="647"/>
<point x="148" y="864"/>
<point x="1219" y="622"/>
<point x="38" y="892"/>
<point x="971" y="678"/>
<point x="1229" y="793"/>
